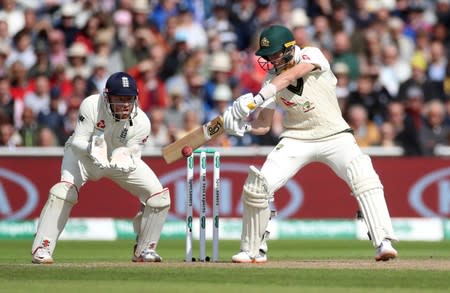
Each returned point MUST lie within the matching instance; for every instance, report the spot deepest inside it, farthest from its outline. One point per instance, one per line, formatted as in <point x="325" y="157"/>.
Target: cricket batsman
<point x="107" y="142"/>
<point x="299" y="80"/>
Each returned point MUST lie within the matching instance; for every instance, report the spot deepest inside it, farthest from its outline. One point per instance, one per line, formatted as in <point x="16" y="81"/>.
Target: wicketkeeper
<point x="107" y="142"/>
<point x="300" y="81"/>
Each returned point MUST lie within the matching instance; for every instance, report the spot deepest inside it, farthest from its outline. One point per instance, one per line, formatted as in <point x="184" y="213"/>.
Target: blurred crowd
<point x="192" y="58"/>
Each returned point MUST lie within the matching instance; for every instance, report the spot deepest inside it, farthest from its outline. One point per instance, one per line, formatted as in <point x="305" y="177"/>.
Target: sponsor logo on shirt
<point x="287" y="102"/>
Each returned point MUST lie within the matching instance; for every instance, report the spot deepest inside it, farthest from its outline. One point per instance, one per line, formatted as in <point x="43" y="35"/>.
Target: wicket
<point x="203" y="204"/>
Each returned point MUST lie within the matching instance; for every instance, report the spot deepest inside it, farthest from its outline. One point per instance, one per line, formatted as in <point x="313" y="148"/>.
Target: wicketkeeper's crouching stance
<point x="107" y="142"/>
<point x="301" y="83"/>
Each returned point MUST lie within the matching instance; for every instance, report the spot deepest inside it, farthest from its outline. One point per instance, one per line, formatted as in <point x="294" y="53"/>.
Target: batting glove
<point x="234" y="126"/>
<point x="98" y="151"/>
<point x="122" y="160"/>
<point x="243" y="106"/>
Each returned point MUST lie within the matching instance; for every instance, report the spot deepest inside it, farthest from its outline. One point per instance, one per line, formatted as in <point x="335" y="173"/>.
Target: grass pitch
<point x="294" y="266"/>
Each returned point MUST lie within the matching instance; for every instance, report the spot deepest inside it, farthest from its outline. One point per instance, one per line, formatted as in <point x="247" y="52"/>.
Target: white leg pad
<point x="62" y="197"/>
<point x="256" y="211"/>
<point x="368" y="190"/>
<point x="152" y="220"/>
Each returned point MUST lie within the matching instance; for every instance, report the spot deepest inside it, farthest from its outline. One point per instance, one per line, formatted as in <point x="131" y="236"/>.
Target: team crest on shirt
<point x="307" y="106"/>
<point x="123" y="135"/>
<point x="101" y="124"/>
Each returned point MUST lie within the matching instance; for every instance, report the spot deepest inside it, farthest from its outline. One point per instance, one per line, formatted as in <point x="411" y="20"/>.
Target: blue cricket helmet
<point x="121" y="84"/>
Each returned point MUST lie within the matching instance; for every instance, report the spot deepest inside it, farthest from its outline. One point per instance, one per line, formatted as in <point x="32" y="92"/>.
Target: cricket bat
<point x="195" y="139"/>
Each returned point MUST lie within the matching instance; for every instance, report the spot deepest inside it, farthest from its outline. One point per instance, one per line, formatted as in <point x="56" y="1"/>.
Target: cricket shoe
<point x="147" y="255"/>
<point x="385" y="251"/>
<point x="244" y="257"/>
<point x="42" y="255"/>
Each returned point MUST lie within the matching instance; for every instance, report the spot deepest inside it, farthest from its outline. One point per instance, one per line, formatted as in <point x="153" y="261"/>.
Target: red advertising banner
<point x="414" y="187"/>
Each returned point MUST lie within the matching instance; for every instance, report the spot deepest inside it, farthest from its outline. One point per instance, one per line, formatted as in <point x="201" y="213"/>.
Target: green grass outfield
<point x="294" y="266"/>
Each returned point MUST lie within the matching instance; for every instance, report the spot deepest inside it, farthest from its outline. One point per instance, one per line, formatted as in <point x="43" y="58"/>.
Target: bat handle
<point x="251" y="106"/>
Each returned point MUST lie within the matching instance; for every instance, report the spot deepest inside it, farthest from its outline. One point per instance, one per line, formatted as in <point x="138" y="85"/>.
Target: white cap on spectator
<point x="299" y="18"/>
<point x="70" y="9"/>
<point x="100" y="62"/>
<point x="220" y="61"/>
<point x="340" y="68"/>
<point x="77" y="50"/>
<point x="141" y="6"/>
<point x="222" y="92"/>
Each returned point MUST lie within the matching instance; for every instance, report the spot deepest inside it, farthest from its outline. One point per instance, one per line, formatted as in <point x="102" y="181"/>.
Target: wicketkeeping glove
<point x="122" y="160"/>
<point x="234" y="126"/>
<point x="98" y="151"/>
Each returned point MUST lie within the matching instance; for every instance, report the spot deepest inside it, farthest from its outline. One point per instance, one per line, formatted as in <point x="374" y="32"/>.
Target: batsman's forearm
<point x="291" y="75"/>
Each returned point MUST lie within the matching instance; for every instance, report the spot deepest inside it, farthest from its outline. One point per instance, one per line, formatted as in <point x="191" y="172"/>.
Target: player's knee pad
<point x="255" y="191"/>
<point x="65" y="191"/>
<point x="159" y="200"/>
<point x="362" y="175"/>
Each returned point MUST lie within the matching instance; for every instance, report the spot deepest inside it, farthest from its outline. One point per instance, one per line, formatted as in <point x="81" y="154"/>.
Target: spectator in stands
<point x="197" y="38"/>
<point x="152" y="90"/>
<point x="42" y="64"/>
<point x="393" y="70"/>
<point x="342" y="53"/>
<point x="387" y="135"/>
<point x="404" y="129"/>
<point x="4" y="52"/>
<point x="418" y="79"/>
<point x="51" y="118"/>
<point x="437" y="67"/>
<point x="58" y="51"/>
<point x="47" y="138"/>
<point x="343" y="85"/>
<point x="222" y="97"/>
<point x="366" y="131"/>
<point x="71" y="117"/>
<point x="39" y="98"/>
<point x="322" y="35"/>
<point x="22" y="50"/>
<point x="190" y="120"/>
<point x="159" y="134"/>
<point x="174" y="117"/>
<point x="433" y="131"/>
<point x="97" y="80"/>
<point x="29" y="131"/>
<point x="13" y="15"/>
<point x="7" y="105"/>
<point x="77" y="65"/>
<point x="220" y="26"/>
<point x="373" y="99"/>
<point x="9" y="137"/>
<point x="219" y="68"/>
<point x="405" y="45"/>
<point x="66" y="23"/>
<point x="137" y="48"/>
<point x="86" y="35"/>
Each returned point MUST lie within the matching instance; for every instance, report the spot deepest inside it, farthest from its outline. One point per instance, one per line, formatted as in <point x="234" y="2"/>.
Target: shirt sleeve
<point x="138" y="140"/>
<point x="84" y="129"/>
<point x="314" y="56"/>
